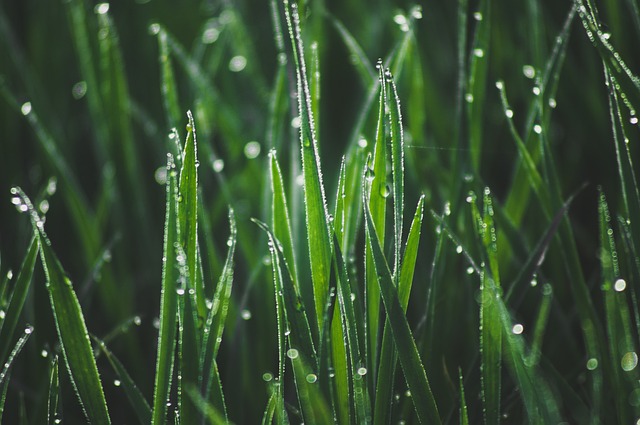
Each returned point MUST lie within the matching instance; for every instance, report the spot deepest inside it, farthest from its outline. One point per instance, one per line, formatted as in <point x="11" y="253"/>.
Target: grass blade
<point x="361" y="63"/>
<point x="137" y="400"/>
<point x="17" y="348"/>
<point x="18" y="297"/>
<point x="397" y="170"/>
<point x="169" y="89"/>
<point x="414" y="373"/>
<point x="464" y="413"/>
<point x="70" y="325"/>
<point x="316" y="214"/>
<point x="54" y="393"/>
<point x="168" y="301"/>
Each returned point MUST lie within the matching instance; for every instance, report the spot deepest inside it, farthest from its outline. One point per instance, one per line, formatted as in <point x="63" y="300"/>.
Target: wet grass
<point x="215" y="213"/>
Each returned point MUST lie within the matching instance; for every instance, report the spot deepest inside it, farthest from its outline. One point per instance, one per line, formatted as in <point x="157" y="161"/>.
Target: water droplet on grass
<point x="517" y="329"/>
<point x="245" y="314"/>
<point x="509" y="113"/>
<point x="180" y="291"/>
<point x="154" y="29"/>
<point x="592" y="364"/>
<point x="470" y="270"/>
<point x="295" y="122"/>
<point x="362" y="371"/>
<point x="385" y="191"/>
<point x="117" y="382"/>
<point x="79" y="89"/>
<point x="44" y="206"/>
<point x="536" y="90"/>
<point x="620" y="285"/>
<point x="160" y="175"/>
<point x="44" y="353"/>
<point x="477" y="16"/>
<point x="362" y="142"/>
<point x="26" y="108"/>
<point x="552" y="103"/>
<point x="312" y="378"/>
<point x="529" y="71"/>
<point x="267" y="377"/>
<point x="292" y="353"/>
<point x="101" y="8"/>
<point x="137" y="321"/>
<point x="537" y="128"/>
<point x="468" y="98"/>
<point x="237" y="63"/>
<point x="479" y="53"/>
<point x="459" y="249"/>
<point x="629" y="361"/>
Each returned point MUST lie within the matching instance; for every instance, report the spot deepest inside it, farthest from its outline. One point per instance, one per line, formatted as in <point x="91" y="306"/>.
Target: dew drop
<point x="156" y="323"/>
<point x="537" y="128"/>
<point x="117" y="382"/>
<point x="44" y="206"/>
<point x="267" y="377"/>
<point x="245" y="314"/>
<point x="470" y="270"/>
<point x="217" y="165"/>
<point x="180" y="291"/>
<point x="479" y="53"/>
<point x="459" y="249"/>
<point x="468" y="98"/>
<point x="44" y="353"/>
<point x="477" y="16"/>
<point x="237" y="63"/>
<point x="536" y="90"/>
<point x="312" y="378"/>
<point x="369" y="174"/>
<point x="385" y="191"/>
<point x="2" y="314"/>
<point x="633" y="120"/>
<point x="529" y="71"/>
<point x="517" y="329"/>
<point x="296" y="122"/>
<point x="509" y="113"/>
<point x="102" y="8"/>
<point x="28" y="330"/>
<point x="592" y="364"/>
<point x="629" y="361"/>
<point x="620" y="285"/>
<point x="447" y="208"/>
<point x="252" y="149"/>
<point x="417" y="12"/>
<point x="26" y="108"/>
<point x="137" y="320"/>
<point x="154" y="29"/>
<point x="79" y="89"/>
<point x="362" y="371"/>
<point x="362" y="142"/>
<point x="552" y="103"/>
<point x="292" y="353"/>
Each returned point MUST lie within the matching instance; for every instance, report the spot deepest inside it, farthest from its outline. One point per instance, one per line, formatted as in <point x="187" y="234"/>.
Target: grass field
<point x="319" y="212"/>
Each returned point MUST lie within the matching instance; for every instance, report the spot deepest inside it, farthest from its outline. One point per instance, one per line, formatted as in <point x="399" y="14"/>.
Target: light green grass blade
<point x="316" y="213"/>
<point x="168" y="301"/>
<point x="314" y="406"/>
<point x="70" y="325"/>
<point x="3" y="396"/>
<point x="397" y="170"/>
<point x="490" y="326"/>
<point x="281" y="223"/>
<point x="414" y="373"/>
<point x="357" y="359"/>
<point x="542" y="320"/>
<point x="388" y="356"/>
<point x="17" y="348"/>
<point x="476" y="86"/>
<point x="54" y="392"/>
<point x="270" y="410"/>
<point x="137" y="400"/>
<point x="379" y="190"/>
<point x="18" y="297"/>
<point x="212" y="415"/>
<point x="464" y="411"/>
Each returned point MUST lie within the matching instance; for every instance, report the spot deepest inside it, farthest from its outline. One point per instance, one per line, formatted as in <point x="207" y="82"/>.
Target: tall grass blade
<point x="137" y="400"/>
<point x="211" y="413"/>
<point x="464" y="411"/>
<point x="388" y="356"/>
<point x="270" y="410"/>
<point x="168" y="301"/>
<point x="397" y="170"/>
<point x="316" y="214"/>
<point x="281" y="223"/>
<point x="17" y="348"/>
<point x="3" y="396"/>
<point x="18" y="297"/>
<point x="360" y="60"/>
<point x="70" y="325"/>
<point x="169" y="90"/>
<point x="414" y="373"/>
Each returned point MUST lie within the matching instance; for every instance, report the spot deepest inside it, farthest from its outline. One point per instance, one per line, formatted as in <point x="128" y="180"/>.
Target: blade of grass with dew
<point x="397" y="170"/>
<point x="464" y="411"/>
<point x="628" y="181"/>
<point x="168" y="301"/>
<point x="314" y="406"/>
<point x="17" y="348"/>
<point x="614" y="326"/>
<point x="281" y="222"/>
<point x="137" y="400"/>
<point x="388" y="356"/>
<point x="214" y="326"/>
<point x="319" y="241"/>
<point x="414" y="373"/>
<point x="270" y="410"/>
<point x="490" y="328"/>
<point x="18" y="297"/>
<point x="3" y="396"/>
<point x="357" y="360"/>
<point x="476" y="86"/>
<point x="540" y="326"/>
<point x="54" y="392"/>
<point x="339" y="359"/>
<point x="70" y="324"/>
<point x="379" y="190"/>
<point x="213" y="415"/>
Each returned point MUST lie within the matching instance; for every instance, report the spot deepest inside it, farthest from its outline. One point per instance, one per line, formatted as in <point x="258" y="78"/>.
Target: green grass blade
<point x="170" y="100"/>
<point x="213" y="415"/>
<point x="270" y="410"/>
<point x="70" y="325"/>
<point x="168" y="301"/>
<point x="414" y="373"/>
<point x="357" y="360"/>
<point x="476" y="86"/>
<point x="464" y="411"/>
<point x="388" y="357"/>
<point x="54" y="393"/>
<point x="316" y="213"/>
<point x="314" y="406"/>
<point x="281" y="223"/>
<point x="17" y="348"/>
<point x="360" y="60"/>
<point x="18" y="297"/>
<point x="137" y="400"/>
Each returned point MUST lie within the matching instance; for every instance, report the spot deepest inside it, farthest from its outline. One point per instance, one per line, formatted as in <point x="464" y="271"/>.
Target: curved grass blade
<point x="316" y="214"/>
<point x="168" y="301"/>
<point x="17" y="348"/>
<point x="168" y="86"/>
<point x="54" y="393"/>
<point x="137" y="400"/>
<point x="70" y="325"/>
<point x="213" y="415"/>
<point x="18" y="297"/>
<point x="270" y="410"/>
<point x="388" y="357"/>
<point x="414" y="373"/>
<point x="361" y="63"/>
<point x="314" y="406"/>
